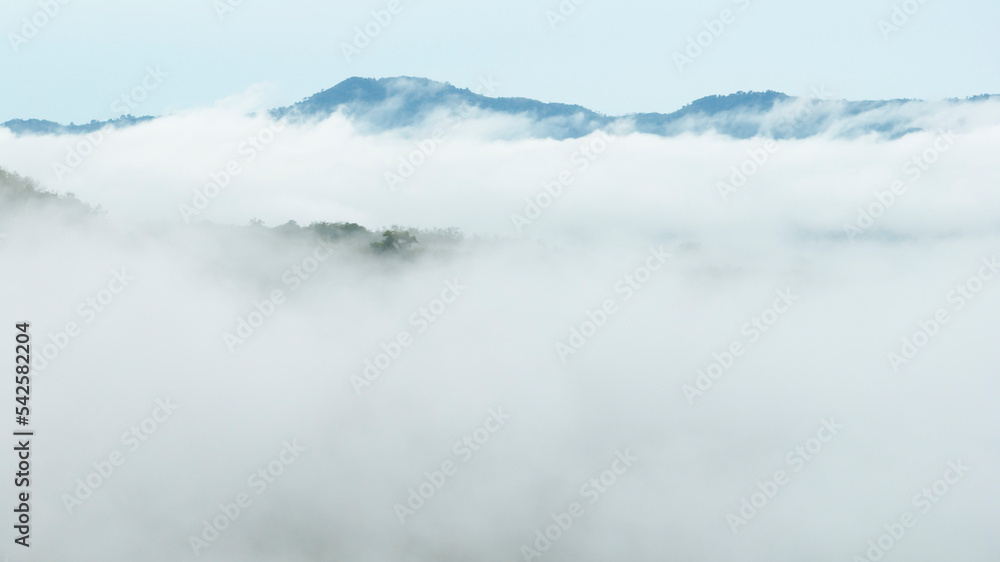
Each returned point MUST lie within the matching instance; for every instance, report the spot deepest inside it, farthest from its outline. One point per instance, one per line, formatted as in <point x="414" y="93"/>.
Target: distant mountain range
<point x="391" y="103"/>
<point x="42" y="127"/>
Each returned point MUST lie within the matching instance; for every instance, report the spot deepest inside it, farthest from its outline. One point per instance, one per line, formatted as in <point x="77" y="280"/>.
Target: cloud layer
<point x="578" y="327"/>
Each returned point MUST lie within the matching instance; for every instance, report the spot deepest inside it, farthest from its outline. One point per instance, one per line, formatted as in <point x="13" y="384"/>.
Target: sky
<point x="697" y="321"/>
<point x="613" y="57"/>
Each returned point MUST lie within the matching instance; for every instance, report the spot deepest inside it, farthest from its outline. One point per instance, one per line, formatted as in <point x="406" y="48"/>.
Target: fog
<point x="780" y="288"/>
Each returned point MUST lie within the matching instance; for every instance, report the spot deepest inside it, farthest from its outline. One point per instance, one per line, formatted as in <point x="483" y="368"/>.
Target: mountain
<point x="41" y="127"/>
<point x="387" y="103"/>
<point x="390" y="103"/>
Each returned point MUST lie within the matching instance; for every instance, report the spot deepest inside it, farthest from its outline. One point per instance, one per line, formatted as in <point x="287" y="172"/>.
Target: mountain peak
<point x="760" y="101"/>
<point x="379" y="104"/>
<point x="413" y="99"/>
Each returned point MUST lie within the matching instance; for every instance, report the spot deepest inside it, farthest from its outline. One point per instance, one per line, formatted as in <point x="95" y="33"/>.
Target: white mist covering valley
<point x="640" y="348"/>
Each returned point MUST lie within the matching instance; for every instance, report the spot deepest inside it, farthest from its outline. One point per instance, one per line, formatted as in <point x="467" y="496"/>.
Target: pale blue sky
<point x="615" y="57"/>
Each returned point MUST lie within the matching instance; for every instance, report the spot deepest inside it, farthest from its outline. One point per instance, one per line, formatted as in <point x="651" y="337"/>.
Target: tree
<point x="394" y="241"/>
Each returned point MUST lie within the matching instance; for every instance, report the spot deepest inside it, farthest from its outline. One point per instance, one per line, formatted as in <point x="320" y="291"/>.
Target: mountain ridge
<point x="380" y="104"/>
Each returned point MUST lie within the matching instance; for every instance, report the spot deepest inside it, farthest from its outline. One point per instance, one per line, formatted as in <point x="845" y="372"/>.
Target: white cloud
<point x="494" y="346"/>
